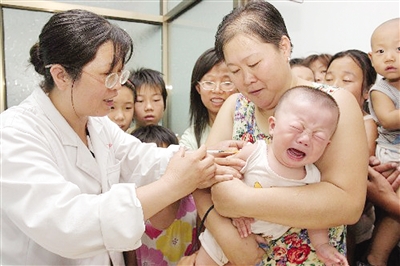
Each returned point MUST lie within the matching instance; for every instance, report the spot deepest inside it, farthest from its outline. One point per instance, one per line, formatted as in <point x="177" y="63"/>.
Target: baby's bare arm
<point x="328" y="254"/>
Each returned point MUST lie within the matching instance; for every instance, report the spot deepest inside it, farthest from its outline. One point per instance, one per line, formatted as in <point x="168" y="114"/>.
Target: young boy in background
<point x="150" y="96"/>
<point x="123" y="108"/>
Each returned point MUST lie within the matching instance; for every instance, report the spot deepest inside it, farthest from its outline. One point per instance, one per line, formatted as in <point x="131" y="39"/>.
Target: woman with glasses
<point x="72" y="181"/>
<point x="210" y="87"/>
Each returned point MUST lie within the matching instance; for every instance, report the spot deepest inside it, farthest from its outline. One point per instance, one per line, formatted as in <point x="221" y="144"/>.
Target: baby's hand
<point x="330" y="255"/>
<point x="243" y="225"/>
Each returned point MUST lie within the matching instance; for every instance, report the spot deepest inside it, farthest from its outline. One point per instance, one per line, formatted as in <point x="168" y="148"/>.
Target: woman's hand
<point x="383" y="181"/>
<point x="187" y="260"/>
<point x="228" y="168"/>
<point x="185" y="172"/>
<point x="243" y="225"/>
<point x="389" y="170"/>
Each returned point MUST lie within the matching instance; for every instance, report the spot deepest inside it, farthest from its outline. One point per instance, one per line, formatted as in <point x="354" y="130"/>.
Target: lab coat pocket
<point x="113" y="174"/>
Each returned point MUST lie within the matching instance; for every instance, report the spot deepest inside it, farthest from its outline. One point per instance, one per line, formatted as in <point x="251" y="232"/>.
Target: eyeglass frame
<point x="109" y="86"/>
<point x="201" y="83"/>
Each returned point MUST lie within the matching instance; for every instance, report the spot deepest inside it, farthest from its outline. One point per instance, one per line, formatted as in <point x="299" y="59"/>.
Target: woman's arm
<point x="372" y="134"/>
<point x="339" y="197"/>
<point x="164" y="218"/>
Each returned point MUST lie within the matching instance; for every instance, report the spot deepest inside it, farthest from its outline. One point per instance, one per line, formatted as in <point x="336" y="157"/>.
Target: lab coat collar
<point x="65" y="132"/>
<point x="68" y="137"/>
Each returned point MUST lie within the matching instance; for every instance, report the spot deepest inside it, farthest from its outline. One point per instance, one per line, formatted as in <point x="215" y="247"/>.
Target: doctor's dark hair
<point x="257" y="19"/>
<point x="72" y="39"/>
<point x="198" y="112"/>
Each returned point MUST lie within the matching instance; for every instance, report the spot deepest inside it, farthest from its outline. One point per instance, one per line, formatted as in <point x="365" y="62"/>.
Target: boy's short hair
<point x="151" y="77"/>
<point x="156" y="134"/>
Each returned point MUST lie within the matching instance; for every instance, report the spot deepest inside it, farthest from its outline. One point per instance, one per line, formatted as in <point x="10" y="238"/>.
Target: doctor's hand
<point x="226" y="147"/>
<point x="228" y="168"/>
<point x="194" y="169"/>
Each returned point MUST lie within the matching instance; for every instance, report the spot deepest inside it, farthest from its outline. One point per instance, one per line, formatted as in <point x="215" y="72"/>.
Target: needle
<point x="215" y="151"/>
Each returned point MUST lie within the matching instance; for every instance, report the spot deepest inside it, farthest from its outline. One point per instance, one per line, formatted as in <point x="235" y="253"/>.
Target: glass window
<point x="21" y="31"/>
<point x="151" y="7"/>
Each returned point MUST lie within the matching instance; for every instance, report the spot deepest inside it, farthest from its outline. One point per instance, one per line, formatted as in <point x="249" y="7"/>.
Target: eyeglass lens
<point x="224" y="86"/>
<point x="113" y="78"/>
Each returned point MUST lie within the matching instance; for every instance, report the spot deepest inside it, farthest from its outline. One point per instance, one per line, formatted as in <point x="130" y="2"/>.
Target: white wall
<point x="331" y="26"/>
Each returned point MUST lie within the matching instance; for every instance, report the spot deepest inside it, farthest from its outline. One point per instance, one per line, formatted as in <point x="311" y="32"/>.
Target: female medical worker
<point x="68" y="195"/>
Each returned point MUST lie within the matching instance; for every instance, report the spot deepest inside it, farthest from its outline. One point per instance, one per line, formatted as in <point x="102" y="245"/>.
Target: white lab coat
<point x="62" y="206"/>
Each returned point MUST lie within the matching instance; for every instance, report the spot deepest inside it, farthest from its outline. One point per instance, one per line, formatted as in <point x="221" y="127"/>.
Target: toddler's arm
<point x="246" y="151"/>
<point x="385" y="110"/>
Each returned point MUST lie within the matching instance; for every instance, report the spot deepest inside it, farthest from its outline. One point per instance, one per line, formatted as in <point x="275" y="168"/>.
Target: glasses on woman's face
<point x="211" y="86"/>
<point x="113" y="78"/>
